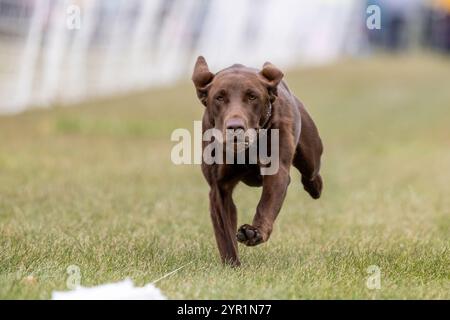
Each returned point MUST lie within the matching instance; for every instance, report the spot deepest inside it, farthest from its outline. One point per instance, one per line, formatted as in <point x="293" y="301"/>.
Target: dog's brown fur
<point x="243" y="95"/>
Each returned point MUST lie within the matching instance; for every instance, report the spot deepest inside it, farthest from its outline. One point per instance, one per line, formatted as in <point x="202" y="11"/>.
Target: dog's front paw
<point x="249" y="235"/>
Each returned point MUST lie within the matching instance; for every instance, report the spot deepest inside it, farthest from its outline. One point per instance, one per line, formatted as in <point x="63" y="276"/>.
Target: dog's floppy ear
<point x="271" y="76"/>
<point x="201" y="78"/>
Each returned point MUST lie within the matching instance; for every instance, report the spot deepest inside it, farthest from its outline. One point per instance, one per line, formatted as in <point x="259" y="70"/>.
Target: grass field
<point x="93" y="186"/>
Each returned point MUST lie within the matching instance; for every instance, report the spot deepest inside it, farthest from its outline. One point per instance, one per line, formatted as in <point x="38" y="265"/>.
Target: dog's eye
<point x="219" y="98"/>
<point x="251" y="96"/>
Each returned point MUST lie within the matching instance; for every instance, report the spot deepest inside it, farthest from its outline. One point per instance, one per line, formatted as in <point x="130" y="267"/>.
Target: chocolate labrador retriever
<point x="242" y="98"/>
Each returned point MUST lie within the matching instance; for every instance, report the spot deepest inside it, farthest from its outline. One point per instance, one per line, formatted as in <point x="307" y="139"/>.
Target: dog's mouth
<point x="240" y="146"/>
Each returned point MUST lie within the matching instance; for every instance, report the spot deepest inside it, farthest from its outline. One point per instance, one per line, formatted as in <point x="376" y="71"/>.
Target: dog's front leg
<point x="273" y="194"/>
<point x="224" y="219"/>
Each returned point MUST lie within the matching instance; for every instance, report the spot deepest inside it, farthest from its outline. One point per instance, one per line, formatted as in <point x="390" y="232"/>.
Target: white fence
<point x="62" y="51"/>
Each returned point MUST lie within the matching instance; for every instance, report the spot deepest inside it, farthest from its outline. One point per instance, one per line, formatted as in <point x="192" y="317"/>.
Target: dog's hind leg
<point x="307" y="155"/>
<point x="224" y="218"/>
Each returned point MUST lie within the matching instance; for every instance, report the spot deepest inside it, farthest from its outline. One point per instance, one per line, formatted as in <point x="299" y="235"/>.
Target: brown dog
<point x="243" y="98"/>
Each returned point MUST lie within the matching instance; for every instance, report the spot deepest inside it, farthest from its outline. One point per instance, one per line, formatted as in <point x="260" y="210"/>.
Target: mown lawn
<point x="93" y="186"/>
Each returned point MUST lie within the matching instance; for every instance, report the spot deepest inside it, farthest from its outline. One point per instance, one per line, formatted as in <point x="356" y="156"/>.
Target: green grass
<point x="94" y="186"/>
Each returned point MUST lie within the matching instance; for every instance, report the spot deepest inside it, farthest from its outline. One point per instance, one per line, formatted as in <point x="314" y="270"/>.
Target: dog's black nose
<point x="235" y="124"/>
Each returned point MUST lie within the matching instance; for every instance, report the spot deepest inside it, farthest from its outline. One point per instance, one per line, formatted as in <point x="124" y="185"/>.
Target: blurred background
<point x="61" y="51"/>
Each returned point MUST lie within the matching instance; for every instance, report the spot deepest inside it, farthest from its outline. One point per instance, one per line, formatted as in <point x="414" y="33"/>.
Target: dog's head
<point x="237" y="98"/>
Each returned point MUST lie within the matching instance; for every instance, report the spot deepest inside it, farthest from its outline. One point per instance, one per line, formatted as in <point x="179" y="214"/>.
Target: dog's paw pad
<point x="249" y="235"/>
